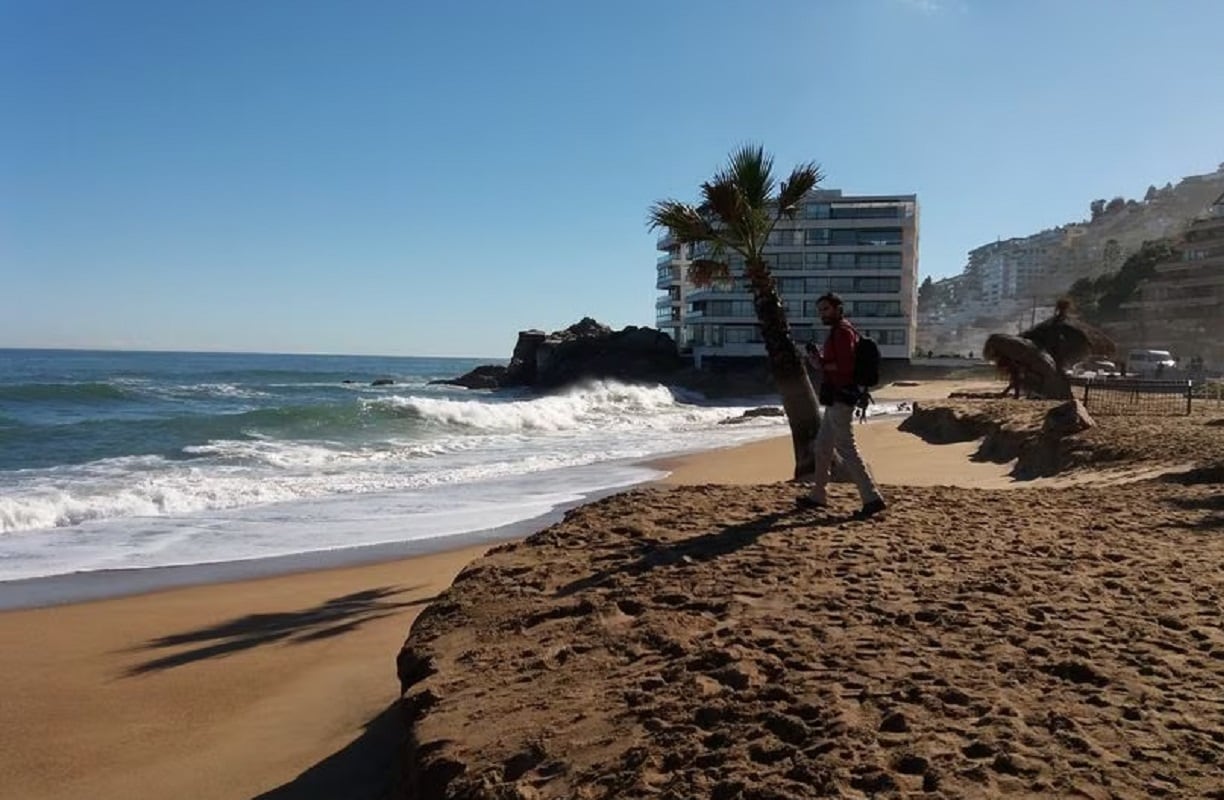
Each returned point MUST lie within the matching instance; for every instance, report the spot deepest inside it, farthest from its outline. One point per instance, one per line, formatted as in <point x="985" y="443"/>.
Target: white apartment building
<point x="864" y="248"/>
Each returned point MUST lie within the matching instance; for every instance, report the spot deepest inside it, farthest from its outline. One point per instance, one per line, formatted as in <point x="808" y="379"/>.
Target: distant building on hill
<point x="864" y="248"/>
<point x="1181" y="308"/>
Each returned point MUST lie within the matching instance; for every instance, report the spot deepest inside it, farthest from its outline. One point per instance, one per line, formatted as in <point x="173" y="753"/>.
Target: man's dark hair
<point x="830" y="298"/>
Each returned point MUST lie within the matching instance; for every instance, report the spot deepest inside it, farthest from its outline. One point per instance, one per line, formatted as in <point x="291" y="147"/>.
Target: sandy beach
<point x="274" y="687"/>
<point x="1057" y="637"/>
<point x="278" y="687"/>
<point x="286" y="687"/>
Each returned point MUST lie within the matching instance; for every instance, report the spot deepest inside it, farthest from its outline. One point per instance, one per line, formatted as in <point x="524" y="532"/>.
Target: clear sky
<point x="396" y="177"/>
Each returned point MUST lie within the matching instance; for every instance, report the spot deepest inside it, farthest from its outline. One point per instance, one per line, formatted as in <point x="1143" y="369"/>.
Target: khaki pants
<point x="837" y="434"/>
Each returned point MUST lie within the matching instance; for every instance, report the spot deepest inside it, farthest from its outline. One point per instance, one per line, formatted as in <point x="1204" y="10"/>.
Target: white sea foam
<point x="597" y="404"/>
<point x="433" y="477"/>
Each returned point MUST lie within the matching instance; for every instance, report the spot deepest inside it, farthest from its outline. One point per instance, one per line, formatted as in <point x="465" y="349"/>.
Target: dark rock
<point x="486" y="376"/>
<point x="522" y="369"/>
<point x="382" y="382"/>
<point x="1067" y="418"/>
<point x="586" y="350"/>
<point x="752" y="413"/>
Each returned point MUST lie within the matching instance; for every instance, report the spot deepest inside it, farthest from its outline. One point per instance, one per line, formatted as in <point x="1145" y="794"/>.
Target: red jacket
<point x="837" y="355"/>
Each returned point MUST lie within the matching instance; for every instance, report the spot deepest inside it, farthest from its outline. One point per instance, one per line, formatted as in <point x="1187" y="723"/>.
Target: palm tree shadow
<point x="333" y="617"/>
<point x="365" y="769"/>
<point x="652" y="554"/>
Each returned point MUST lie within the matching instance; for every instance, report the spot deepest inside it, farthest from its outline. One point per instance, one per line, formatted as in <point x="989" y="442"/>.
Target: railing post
<point x="1189" y="396"/>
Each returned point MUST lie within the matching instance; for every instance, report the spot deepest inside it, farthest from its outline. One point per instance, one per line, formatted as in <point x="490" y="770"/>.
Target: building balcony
<point x="668" y="280"/>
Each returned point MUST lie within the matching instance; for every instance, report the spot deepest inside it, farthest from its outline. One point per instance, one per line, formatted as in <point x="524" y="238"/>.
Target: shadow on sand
<point x="707" y="546"/>
<point x="330" y="618"/>
<point x="367" y="769"/>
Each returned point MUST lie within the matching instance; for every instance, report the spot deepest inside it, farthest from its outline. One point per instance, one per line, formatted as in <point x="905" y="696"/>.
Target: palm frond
<point x="803" y="179"/>
<point x="724" y="200"/>
<point x="684" y="221"/>
<point x="704" y="271"/>
<point x="751" y="169"/>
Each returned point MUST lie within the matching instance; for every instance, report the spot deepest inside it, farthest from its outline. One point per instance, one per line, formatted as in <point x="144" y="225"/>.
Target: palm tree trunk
<point x="786" y="366"/>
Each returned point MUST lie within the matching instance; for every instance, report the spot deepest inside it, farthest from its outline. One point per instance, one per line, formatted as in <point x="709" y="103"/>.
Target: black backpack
<point x="866" y="362"/>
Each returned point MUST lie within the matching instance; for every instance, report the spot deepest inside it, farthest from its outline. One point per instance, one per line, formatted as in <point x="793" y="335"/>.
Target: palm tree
<point x="739" y="210"/>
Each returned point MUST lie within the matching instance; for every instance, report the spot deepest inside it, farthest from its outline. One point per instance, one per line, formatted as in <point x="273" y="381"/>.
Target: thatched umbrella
<point x="1068" y="339"/>
<point x="1038" y="373"/>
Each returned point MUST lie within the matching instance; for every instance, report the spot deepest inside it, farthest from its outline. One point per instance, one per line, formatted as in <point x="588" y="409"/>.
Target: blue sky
<point x="428" y="178"/>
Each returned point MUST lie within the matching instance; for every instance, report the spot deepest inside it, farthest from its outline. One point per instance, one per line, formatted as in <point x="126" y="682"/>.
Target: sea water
<point x="127" y="460"/>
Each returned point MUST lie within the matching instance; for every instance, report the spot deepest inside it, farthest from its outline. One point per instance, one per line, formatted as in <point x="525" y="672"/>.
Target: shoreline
<point x="84" y="587"/>
<point x="259" y="687"/>
<point x="90" y="586"/>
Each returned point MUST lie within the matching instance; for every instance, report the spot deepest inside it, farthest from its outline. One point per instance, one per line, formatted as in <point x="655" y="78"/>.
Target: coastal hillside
<point x="1004" y="283"/>
<point x="713" y="641"/>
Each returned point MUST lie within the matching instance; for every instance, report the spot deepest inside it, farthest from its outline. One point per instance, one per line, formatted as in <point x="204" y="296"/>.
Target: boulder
<point x="382" y="382"/>
<point x="1067" y="419"/>
<point x="753" y="413"/>
<point x="486" y="376"/>
<point x="585" y="350"/>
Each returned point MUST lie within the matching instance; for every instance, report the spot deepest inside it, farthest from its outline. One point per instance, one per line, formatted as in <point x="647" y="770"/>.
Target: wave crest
<point x="594" y="404"/>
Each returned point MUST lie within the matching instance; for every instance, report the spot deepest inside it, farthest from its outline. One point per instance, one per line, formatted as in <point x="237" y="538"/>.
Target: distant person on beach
<point x="1015" y="377"/>
<point x="834" y="368"/>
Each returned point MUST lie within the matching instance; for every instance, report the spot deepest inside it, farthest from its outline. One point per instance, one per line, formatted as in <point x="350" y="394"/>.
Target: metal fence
<point x="1137" y="396"/>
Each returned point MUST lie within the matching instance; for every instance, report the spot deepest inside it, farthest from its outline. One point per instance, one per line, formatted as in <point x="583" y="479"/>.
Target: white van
<point x="1147" y="363"/>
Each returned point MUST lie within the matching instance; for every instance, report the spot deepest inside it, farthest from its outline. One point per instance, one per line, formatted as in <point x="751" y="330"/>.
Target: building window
<point x="780" y="238"/>
<point x="879" y="261"/>
<point x="816" y="236"/>
<point x="876" y="308"/>
<point x="791" y="285"/>
<point x="790" y="260"/>
<point x="887" y="337"/>
<point x="816" y="260"/>
<point x="842" y="260"/>
<point x="741" y="334"/>
<point x="816" y="211"/>
<point x="867" y="212"/>
<point x="879" y="237"/>
<point x="877" y="285"/>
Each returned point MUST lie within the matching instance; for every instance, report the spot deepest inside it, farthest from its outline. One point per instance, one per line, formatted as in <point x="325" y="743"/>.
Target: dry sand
<point x="285" y="687"/>
<point x="1054" y="640"/>
<point x="276" y="687"/>
<point x="223" y="691"/>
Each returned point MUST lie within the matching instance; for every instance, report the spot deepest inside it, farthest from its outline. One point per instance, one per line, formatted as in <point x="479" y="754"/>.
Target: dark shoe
<point x="808" y="502"/>
<point x="870" y="509"/>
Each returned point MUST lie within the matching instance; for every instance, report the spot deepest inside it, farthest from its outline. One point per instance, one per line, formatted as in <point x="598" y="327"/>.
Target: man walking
<point x="839" y="394"/>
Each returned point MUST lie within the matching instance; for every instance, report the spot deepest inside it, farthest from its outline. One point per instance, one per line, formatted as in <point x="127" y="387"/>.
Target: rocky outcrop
<point x="486" y="376"/>
<point x="522" y="369"/>
<point x="753" y="413"/>
<point x="584" y="350"/>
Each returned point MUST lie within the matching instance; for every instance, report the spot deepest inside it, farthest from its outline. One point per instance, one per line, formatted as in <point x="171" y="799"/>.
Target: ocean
<point x="138" y="460"/>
